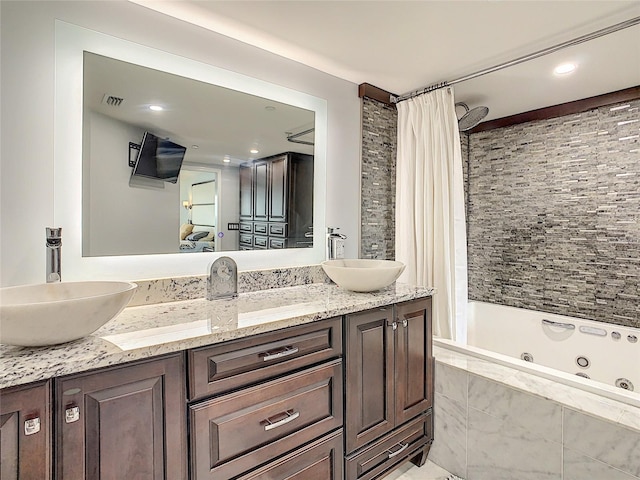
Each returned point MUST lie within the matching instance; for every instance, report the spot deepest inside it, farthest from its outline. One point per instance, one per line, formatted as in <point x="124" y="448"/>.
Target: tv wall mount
<point x="134" y="148"/>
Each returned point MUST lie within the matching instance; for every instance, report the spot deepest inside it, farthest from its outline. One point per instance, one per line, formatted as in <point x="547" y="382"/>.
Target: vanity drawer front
<point x="391" y="449"/>
<point x="260" y="242"/>
<point x="246" y="227"/>
<point x="277" y="229"/>
<point x="321" y="460"/>
<point x="238" y="363"/>
<point x="260" y="228"/>
<point x="246" y="239"/>
<point x="233" y="433"/>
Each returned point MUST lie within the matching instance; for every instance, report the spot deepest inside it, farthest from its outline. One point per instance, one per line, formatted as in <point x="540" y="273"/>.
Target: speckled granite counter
<point x="149" y="330"/>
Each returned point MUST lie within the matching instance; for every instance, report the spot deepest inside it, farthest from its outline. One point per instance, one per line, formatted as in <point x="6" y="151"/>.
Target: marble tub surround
<point x="149" y="330"/>
<point x="164" y="290"/>
<point x="494" y="422"/>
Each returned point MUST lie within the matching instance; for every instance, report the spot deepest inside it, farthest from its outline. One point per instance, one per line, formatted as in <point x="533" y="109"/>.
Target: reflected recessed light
<point x="565" y="68"/>
<point x="253" y="150"/>
<point x="156" y="108"/>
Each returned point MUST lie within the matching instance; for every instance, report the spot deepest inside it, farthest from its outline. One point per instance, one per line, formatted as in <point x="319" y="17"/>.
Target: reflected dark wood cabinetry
<point x="123" y="422"/>
<point x="25" y="432"/>
<point x="276" y="202"/>
<point x="389" y="386"/>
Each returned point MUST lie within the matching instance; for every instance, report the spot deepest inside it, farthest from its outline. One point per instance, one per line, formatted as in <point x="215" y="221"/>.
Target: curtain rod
<point x="576" y="41"/>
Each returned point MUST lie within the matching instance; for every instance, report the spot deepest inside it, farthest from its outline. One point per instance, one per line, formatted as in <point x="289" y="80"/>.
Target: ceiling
<point x="401" y="46"/>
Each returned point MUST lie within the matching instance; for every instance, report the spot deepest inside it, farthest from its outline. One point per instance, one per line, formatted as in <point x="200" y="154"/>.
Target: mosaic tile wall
<point x="554" y="215"/>
<point x="378" y="180"/>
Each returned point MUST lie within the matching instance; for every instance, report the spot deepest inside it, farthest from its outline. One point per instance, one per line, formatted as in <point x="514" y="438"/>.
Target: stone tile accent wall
<point x="554" y="215"/>
<point x="378" y="180"/>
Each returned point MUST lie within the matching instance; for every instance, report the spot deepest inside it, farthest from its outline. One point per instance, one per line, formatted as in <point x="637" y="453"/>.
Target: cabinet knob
<point x="405" y="322"/>
<point x="394" y="325"/>
<point x="72" y="414"/>
<point x="32" y="426"/>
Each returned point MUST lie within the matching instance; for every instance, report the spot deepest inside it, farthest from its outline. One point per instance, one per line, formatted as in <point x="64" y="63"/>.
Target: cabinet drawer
<point x="260" y="228"/>
<point x="277" y="229"/>
<point x="259" y="242"/>
<point x="234" y="433"/>
<point x="238" y="363"/>
<point x="246" y="239"/>
<point x="246" y="227"/>
<point x="276" y="243"/>
<point x="321" y="460"/>
<point x="390" y="450"/>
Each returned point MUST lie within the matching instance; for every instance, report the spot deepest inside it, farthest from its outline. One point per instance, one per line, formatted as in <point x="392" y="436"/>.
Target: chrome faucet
<point x="335" y="243"/>
<point x="54" y="252"/>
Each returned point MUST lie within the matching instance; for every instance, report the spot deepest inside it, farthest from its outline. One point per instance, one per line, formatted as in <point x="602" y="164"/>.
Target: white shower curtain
<point x="430" y="213"/>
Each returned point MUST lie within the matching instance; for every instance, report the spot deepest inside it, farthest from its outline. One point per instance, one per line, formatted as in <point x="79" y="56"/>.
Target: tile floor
<point x="430" y="471"/>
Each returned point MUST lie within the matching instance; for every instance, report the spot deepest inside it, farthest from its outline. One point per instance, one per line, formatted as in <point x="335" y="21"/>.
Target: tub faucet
<point x="54" y="251"/>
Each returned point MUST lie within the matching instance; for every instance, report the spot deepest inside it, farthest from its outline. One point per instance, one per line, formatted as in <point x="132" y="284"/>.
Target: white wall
<point x="26" y="122"/>
<point x="125" y="220"/>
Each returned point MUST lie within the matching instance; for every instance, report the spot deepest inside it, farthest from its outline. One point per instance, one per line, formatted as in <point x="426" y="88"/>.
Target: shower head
<point x="472" y="117"/>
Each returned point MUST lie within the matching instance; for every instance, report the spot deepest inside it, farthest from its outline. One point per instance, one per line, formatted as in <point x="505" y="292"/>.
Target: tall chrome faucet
<point x="335" y="243"/>
<point x="54" y="252"/>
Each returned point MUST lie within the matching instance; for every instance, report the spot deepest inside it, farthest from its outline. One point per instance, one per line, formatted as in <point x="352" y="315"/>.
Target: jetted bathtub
<point x="601" y="358"/>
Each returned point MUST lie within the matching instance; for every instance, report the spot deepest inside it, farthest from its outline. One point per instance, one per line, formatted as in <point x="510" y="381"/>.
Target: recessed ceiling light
<point x="269" y="108"/>
<point x="565" y="68"/>
<point x="253" y="150"/>
<point x="226" y="160"/>
<point x="195" y="147"/>
<point x="156" y="108"/>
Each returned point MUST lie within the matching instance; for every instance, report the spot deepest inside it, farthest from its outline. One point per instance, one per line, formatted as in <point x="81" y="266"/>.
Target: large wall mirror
<point x="117" y="227"/>
<point x="221" y="130"/>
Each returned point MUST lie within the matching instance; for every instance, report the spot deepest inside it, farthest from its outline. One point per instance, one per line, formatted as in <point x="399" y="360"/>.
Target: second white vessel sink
<point x="52" y="313"/>
<point x="363" y="275"/>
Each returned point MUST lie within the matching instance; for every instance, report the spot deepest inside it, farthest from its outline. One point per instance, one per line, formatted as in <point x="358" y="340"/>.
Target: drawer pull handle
<point x="284" y="352"/>
<point x="399" y="451"/>
<point x="290" y="416"/>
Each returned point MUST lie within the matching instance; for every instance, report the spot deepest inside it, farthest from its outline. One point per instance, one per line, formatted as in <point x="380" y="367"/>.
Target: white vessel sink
<point x="362" y="275"/>
<point x="52" y="313"/>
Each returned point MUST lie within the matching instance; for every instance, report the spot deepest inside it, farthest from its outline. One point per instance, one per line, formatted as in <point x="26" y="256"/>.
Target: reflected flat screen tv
<point x="159" y="158"/>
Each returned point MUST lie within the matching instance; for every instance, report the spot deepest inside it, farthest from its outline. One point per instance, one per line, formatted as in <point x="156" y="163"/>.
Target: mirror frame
<point x="70" y="43"/>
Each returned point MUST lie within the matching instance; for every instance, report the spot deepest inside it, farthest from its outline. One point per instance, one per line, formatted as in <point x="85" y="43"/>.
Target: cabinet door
<point x="246" y="192"/>
<point x="414" y="374"/>
<point x="123" y="422"/>
<point x="369" y="376"/>
<point x="260" y="191"/>
<point x="25" y="433"/>
<point x="278" y="182"/>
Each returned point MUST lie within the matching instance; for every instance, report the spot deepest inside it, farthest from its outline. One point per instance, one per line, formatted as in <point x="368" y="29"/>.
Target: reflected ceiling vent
<point x="112" y="100"/>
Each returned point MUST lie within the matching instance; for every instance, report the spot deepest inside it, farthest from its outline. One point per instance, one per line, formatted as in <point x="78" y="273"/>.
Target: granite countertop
<point x="145" y="331"/>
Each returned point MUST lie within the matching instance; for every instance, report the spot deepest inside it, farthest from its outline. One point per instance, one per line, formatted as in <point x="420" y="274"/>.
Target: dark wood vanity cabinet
<point x="389" y="384"/>
<point x="123" y="422"/>
<point x="272" y="402"/>
<point x="276" y="201"/>
<point x="25" y="432"/>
